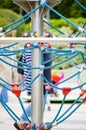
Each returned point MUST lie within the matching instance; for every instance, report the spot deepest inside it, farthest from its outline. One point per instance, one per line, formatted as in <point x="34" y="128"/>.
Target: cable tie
<point x="41" y="67"/>
<point x="81" y="69"/>
<point x="72" y="50"/>
<point x="1" y="34"/>
<point x="80" y="29"/>
<point x="85" y="31"/>
<point x="84" y="67"/>
<point x="1" y="29"/>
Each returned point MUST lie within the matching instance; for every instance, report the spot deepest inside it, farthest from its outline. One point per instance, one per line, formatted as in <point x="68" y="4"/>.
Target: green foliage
<point x="8" y="4"/>
<point x="69" y="8"/>
<point x="7" y="16"/>
<point x="61" y="22"/>
<point x="75" y="60"/>
<point x="66" y="27"/>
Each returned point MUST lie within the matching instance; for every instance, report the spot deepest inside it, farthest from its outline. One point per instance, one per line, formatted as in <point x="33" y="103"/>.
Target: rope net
<point x="70" y="54"/>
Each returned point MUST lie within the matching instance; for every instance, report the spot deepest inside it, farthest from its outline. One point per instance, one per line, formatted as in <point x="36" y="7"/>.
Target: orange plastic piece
<point x="16" y="90"/>
<point x="41" y="127"/>
<point x="82" y="92"/>
<point x="84" y="100"/>
<point x="66" y="91"/>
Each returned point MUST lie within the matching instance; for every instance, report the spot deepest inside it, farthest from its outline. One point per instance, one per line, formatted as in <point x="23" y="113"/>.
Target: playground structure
<point x="36" y="8"/>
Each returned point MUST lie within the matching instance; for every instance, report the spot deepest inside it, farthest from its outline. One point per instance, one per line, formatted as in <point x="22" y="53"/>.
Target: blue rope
<point x="9" y="110"/>
<point x="70" y="113"/>
<point x="58" y="55"/>
<point x="26" y="87"/>
<point x="67" y="59"/>
<point x="24" y="109"/>
<point x="5" y="83"/>
<point x="12" y="45"/>
<point x="57" y="113"/>
<point x="16" y="26"/>
<point x="60" y="15"/>
<point x="83" y="7"/>
<point x="67" y="110"/>
<point x="80" y="32"/>
<point x="45" y="99"/>
<point x="56" y="28"/>
<point x="5" y="27"/>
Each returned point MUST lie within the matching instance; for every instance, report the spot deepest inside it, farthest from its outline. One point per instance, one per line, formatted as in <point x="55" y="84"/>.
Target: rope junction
<point x="62" y="56"/>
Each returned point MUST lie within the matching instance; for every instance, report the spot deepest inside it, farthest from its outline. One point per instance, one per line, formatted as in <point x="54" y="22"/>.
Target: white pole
<point x="51" y="41"/>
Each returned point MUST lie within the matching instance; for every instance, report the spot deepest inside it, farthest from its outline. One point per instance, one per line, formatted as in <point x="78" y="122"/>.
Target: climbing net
<point x="61" y="56"/>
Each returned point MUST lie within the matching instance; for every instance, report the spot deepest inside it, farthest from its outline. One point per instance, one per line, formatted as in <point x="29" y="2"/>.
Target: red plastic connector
<point x="66" y="91"/>
<point x="41" y="127"/>
<point x="28" y="127"/>
<point x="28" y="45"/>
<point x="82" y="92"/>
<point x="84" y="100"/>
<point x="16" y="90"/>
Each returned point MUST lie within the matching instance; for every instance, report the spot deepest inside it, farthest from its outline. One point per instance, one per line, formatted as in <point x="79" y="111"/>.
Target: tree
<point x="69" y="8"/>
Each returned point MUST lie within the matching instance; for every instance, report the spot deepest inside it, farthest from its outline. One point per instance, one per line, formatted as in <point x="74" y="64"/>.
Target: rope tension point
<point x="66" y="91"/>
<point x="16" y="90"/>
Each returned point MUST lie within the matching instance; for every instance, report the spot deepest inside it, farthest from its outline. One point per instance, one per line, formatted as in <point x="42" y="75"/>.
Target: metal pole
<point x="37" y="21"/>
<point x="37" y="87"/>
<point x="37" y="90"/>
<point x="21" y="11"/>
<point x="48" y="18"/>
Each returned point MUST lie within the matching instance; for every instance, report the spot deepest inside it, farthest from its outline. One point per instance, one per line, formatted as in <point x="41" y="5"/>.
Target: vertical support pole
<point x="37" y="21"/>
<point x="48" y="18"/>
<point x="37" y="90"/>
<point x="37" y="87"/>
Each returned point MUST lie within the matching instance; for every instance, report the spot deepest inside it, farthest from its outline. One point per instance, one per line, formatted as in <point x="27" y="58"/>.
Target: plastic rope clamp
<point x="42" y="67"/>
<point x="16" y="90"/>
<point x="66" y="91"/>
<point x="43" y="2"/>
<point x="35" y="45"/>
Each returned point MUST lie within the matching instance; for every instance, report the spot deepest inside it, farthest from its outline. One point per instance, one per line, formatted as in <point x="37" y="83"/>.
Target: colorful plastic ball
<point x="48" y="34"/>
<point x="26" y="34"/>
